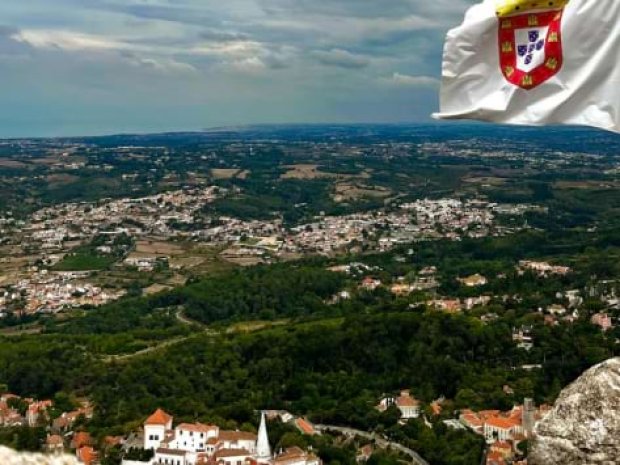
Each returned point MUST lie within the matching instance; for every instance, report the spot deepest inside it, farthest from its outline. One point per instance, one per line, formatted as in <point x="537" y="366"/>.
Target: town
<point x="303" y="296"/>
<point x="53" y="234"/>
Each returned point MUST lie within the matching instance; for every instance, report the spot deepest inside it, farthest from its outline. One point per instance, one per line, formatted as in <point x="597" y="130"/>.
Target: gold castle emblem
<point x="505" y="8"/>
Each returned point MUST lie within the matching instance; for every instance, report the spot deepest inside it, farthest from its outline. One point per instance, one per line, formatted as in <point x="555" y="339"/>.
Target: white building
<point x="200" y="444"/>
<point x="170" y="457"/>
<point x="408" y="405"/>
<point x="195" y="437"/>
<point x="502" y="429"/>
<point x="155" y="428"/>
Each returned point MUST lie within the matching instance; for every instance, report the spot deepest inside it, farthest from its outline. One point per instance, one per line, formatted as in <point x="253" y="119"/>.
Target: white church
<point x="200" y="444"/>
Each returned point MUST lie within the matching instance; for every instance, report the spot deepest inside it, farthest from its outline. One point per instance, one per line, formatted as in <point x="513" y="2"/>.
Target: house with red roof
<point x="501" y="428"/>
<point x="155" y="428"/>
<point x="494" y="458"/>
<point x="472" y="421"/>
<point x="305" y="426"/>
<point x="81" y="439"/>
<point x="296" y="456"/>
<point x="65" y="421"/>
<point x="513" y="425"/>
<point x="37" y="411"/>
<point x="503" y="448"/>
<point x="87" y="455"/>
<point x="408" y="405"/>
<point x="231" y="457"/>
<point x="54" y="444"/>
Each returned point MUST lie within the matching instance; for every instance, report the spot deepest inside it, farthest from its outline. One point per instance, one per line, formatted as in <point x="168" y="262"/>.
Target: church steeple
<point x="263" y="449"/>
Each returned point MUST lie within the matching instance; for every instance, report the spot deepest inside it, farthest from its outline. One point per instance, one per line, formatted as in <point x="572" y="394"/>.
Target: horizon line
<point x="246" y="127"/>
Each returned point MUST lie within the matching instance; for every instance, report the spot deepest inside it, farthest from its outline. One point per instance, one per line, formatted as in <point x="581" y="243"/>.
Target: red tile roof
<point x="290" y="453"/>
<point x="472" y="420"/>
<point x="231" y="453"/>
<point x="177" y="452"/>
<point x="484" y="414"/>
<point x="158" y="418"/>
<point x="494" y="458"/>
<point x="87" y="455"/>
<point x="501" y="423"/>
<point x="197" y="427"/>
<point x="233" y="436"/>
<point x="305" y="426"/>
<point x="293" y="455"/>
<point x="81" y="439"/>
<point x="407" y="401"/>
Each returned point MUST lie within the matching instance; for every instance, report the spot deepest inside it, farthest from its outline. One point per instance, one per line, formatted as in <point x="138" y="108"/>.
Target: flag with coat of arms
<point x="535" y="62"/>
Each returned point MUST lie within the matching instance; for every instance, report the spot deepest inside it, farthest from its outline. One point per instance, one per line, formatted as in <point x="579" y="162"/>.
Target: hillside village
<point x="199" y="444"/>
<point x="161" y="442"/>
<point x="55" y="233"/>
<point x="568" y="306"/>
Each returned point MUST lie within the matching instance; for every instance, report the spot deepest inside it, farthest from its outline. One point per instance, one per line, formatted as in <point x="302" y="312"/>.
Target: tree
<point x="291" y="439"/>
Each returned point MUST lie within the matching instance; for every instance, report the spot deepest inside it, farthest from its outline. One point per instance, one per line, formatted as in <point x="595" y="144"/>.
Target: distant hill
<point x="567" y="138"/>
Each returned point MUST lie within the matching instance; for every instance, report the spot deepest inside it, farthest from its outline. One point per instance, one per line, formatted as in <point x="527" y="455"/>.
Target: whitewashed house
<point x="408" y="405"/>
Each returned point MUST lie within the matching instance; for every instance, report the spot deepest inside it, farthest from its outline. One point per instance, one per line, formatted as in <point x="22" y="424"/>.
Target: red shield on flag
<point x="530" y="47"/>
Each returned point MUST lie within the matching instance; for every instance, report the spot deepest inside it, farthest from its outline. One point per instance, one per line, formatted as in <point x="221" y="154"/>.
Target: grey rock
<point x="583" y="428"/>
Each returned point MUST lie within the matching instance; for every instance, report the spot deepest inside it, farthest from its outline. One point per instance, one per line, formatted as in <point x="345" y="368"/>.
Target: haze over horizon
<point x="90" y="67"/>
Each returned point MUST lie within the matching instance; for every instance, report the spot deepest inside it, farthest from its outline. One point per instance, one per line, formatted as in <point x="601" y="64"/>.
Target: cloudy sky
<point x="73" y="67"/>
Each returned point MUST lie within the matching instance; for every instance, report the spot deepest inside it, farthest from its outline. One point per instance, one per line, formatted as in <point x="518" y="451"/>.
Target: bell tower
<point x="263" y="449"/>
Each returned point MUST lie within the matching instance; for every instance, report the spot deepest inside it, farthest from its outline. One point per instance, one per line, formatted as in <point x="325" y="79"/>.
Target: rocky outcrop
<point x="10" y="457"/>
<point x="584" y="426"/>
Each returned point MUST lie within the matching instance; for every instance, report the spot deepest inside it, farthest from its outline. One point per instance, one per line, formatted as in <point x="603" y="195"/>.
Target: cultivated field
<point x="148" y="248"/>
<point x="350" y="192"/>
<point x="229" y="173"/>
<point x="305" y="171"/>
<point x="4" y="163"/>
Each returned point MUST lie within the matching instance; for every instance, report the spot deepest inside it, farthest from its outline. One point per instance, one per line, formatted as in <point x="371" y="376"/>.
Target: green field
<point x="84" y="261"/>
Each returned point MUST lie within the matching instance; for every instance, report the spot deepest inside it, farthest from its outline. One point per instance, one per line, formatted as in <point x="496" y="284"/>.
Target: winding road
<point x="379" y="440"/>
<point x="182" y="319"/>
<point x="203" y="329"/>
<point x="148" y="350"/>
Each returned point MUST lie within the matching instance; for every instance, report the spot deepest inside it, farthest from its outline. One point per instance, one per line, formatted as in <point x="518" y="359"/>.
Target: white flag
<point x="535" y="62"/>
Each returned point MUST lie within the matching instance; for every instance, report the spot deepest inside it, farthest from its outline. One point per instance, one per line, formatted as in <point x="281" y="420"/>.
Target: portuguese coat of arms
<point x="530" y="40"/>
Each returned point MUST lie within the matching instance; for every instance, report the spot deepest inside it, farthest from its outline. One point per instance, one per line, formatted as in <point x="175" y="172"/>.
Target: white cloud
<point x="238" y="49"/>
<point x="341" y="58"/>
<point x="165" y="65"/>
<point x="251" y="65"/>
<point x="407" y="80"/>
<point x="66" y="40"/>
<point x="69" y="41"/>
<point x="242" y="55"/>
